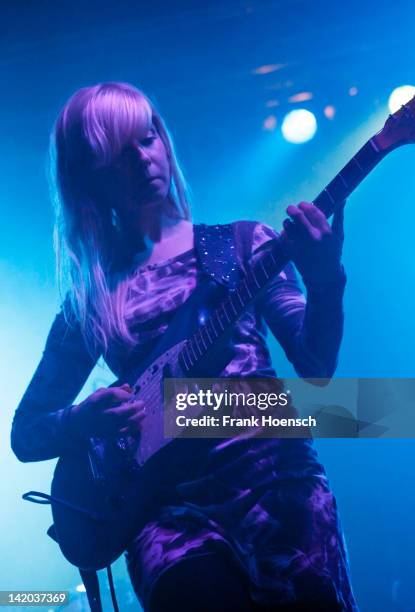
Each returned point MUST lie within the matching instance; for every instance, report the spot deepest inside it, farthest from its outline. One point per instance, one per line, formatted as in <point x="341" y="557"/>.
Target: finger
<point x="126" y="386"/>
<point x="316" y="217"/>
<point x="114" y="423"/>
<point x="113" y="396"/>
<point x="129" y="431"/>
<point x="300" y="221"/>
<point x="337" y="225"/>
<point x="126" y="408"/>
<point x="136" y="419"/>
<point x="133" y="425"/>
<point x="290" y="230"/>
<point x="123" y="412"/>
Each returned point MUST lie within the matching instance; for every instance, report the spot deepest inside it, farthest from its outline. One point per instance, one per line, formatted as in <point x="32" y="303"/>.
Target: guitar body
<point x="98" y="493"/>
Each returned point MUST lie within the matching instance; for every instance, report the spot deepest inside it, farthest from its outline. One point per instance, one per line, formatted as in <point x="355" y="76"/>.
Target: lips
<point x="148" y="179"/>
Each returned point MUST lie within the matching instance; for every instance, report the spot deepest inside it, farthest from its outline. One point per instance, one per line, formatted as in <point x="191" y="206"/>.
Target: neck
<point x="149" y="225"/>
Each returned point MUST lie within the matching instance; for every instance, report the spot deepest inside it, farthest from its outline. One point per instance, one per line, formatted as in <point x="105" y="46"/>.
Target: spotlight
<point x="270" y="123"/>
<point x="299" y="126"/>
<point x="329" y="111"/>
<point x="303" y="96"/>
<point x="81" y="588"/>
<point x="399" y="96"/>
<point x="268" y="68"/>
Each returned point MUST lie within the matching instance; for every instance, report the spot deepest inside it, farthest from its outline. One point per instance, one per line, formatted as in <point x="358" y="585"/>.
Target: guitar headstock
<point x="399" y="128"/>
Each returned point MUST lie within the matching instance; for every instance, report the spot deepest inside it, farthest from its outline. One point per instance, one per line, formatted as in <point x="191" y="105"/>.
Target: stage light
<point x="272" y="103"/>
<point x="270" y="123"/>
<point x="399" y="96"/>
<point x="299" y="126"/>
<point x="329" y="111"/>
<point x="303" y="96"/>
<point x="268" y="68"/>
<point x="81" y="588"/>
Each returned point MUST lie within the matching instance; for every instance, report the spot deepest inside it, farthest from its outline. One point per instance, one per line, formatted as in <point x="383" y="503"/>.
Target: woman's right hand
<point x="107" y="412"/>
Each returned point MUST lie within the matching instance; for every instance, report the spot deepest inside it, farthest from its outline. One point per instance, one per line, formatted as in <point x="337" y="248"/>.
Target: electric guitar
<point x="98" y="491"/>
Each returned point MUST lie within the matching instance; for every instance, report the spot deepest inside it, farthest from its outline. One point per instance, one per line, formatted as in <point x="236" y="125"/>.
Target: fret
<point x="243" y="292"/>
<point x="191" y="350"/>
<point x="274" y="262"/>
<point x="222" y="322"/>
<point x="196" y="338"/>
<point x="343" y="180"/>
<point x="329" y="195"/>
<point x="189" y="358"/>
<point x="269" y="266"/>
<point x="248" y="291"/>
<point x="186" y="357"/>
<point x="368" y="157"/>
<point x="252" y="286"/>
<point x="205" y="345"/>
<point x="356" y="161"/>
<point x="262" y="264"/>
<point x="336" y="189"/>
<point x="230" y="300"/>
<point x="374" y="146"/>
<point x="239" y="297"/>
<point x="217" y="318"/>
<point x="205" y="330"/>
<point x="229" y="315"/>
<point x="213" y="328"/>
<point x="353" y="172"/>
<point x="262" y="274"/>
<point x="222" y="311"/>
<point x="253" y="275"/>
<point x="196" y="347"/>
<point x="182" y="360"/>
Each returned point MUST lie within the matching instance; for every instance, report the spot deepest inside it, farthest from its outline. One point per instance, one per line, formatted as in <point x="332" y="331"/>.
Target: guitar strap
<point x="223" y="250"/>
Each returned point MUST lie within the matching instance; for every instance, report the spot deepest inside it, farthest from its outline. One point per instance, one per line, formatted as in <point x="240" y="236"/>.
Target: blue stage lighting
<point x="299" y="126"/>
<point x="400" y="95"/>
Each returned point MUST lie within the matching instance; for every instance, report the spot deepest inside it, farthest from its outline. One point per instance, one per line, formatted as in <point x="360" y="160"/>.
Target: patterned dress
<point x="266" y="502"/>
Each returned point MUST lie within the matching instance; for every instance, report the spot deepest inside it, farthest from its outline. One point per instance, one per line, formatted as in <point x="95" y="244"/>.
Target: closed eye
<point x="147" y="141"/>
<point x="129" y="151"/>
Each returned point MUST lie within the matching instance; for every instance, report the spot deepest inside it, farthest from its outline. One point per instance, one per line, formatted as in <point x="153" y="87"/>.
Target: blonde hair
<point x="92" y="128"/>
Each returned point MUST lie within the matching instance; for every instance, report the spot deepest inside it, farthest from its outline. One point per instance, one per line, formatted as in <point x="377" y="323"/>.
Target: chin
<point x="157" y="201"/>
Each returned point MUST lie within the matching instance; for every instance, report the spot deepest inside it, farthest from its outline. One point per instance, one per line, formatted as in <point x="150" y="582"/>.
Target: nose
<point x="142" y="155"/>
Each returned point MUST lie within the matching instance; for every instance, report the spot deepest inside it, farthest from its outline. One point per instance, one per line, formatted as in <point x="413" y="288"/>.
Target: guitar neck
<point x="275" y="259"/>
<point x="349" y="177"/>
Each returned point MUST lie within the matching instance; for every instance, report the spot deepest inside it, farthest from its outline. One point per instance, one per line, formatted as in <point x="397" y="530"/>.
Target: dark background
<point x="199" y="62"/>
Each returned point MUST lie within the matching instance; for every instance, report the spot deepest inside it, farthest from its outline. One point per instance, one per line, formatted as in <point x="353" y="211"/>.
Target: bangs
<point x="115" y="115"/>
<point x="94" y="125"/>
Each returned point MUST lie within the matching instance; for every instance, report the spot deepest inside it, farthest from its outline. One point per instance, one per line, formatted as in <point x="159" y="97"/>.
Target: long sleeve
<point x="309" y="330"/>
<point x="40" y="425"/>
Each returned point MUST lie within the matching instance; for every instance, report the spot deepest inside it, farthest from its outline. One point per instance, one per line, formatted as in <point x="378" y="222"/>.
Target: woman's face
<point x="139" y="177"/>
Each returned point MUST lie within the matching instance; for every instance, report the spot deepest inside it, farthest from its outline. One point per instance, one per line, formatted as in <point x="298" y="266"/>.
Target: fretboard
<point x="274" y="259"/>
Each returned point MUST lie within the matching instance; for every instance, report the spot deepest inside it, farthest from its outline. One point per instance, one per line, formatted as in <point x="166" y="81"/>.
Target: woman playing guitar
<point x="247" y="525"/>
